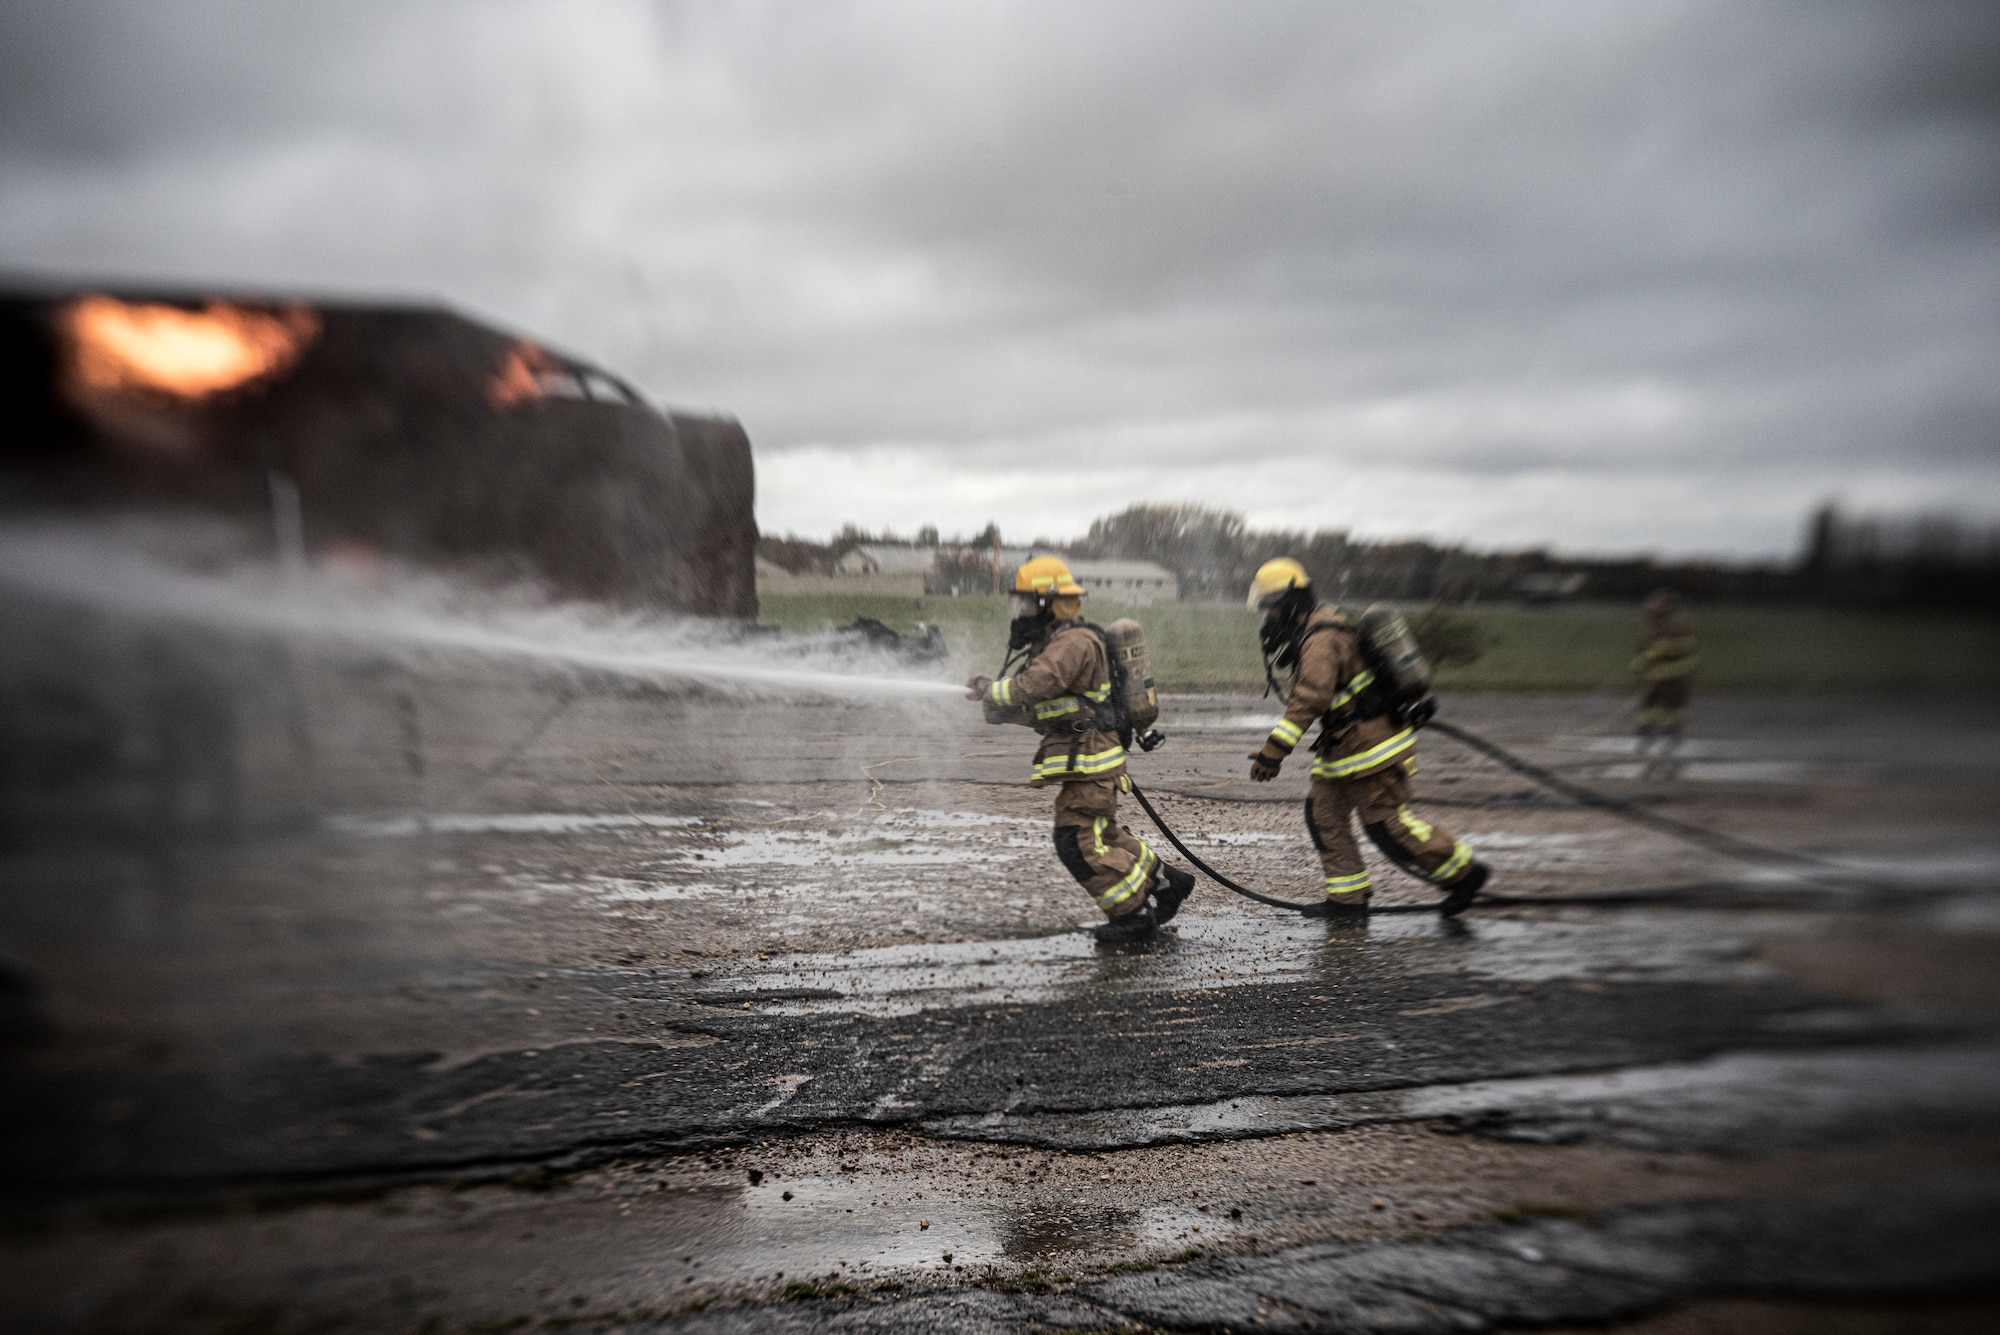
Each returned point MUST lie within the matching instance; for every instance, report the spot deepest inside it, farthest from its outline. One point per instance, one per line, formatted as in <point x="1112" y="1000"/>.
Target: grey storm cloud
<point x="1605" y="276"/>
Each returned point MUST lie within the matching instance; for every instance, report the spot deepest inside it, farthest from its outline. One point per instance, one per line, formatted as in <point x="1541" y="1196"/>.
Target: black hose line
<point x="1204" y="868"/>
<point x="1624" y="809"/>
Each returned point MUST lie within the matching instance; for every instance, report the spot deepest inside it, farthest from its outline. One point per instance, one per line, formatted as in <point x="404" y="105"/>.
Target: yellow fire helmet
<point x="1276" y="577"/>
<point x="1045" y="575"/>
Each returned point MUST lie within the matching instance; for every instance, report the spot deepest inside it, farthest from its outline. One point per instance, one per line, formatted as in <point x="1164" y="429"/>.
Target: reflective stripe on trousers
<point x="1461" y="856"/>
<point x="1347" y="885"/>
<point x="1381" y="800"/>
<point x="1133" y="882"/>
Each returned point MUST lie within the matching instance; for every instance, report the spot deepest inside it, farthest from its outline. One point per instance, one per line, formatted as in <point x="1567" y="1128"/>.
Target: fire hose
<point x="1204" y="868"/>
<point x="1624" y="809"/>
<point x="1712" y="840"/>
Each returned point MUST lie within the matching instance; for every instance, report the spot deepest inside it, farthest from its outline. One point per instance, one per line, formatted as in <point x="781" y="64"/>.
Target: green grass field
<point x="1204" y="647"/>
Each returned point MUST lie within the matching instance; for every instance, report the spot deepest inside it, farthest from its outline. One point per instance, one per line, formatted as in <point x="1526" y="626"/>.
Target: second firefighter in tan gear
<point x="1063" y="692"/>
<point x="1364" y="756"/>
<point x="1665" y="663"/>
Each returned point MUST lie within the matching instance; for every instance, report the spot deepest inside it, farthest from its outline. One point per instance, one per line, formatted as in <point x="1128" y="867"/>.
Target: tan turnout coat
<point x="1067" y="680"/>
<point x="1329" y="679"/>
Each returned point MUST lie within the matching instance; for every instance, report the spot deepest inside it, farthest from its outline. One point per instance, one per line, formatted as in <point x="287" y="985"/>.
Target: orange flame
<point x="123" y="347"/>
<point x="523" y="375"/>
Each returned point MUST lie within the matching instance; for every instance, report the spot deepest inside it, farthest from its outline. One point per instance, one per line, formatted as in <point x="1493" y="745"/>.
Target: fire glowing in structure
<point x="122" y="347"/>
<point x="524" y="375"/>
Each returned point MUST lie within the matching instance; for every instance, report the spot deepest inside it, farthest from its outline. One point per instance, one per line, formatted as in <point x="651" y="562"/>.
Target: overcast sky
<point x="1603" y="276"/>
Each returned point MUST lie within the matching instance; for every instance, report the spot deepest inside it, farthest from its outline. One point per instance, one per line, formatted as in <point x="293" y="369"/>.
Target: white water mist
<point x="416" y="617"/>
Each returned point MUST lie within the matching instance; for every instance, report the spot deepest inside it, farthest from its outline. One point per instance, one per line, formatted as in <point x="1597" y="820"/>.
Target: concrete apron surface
<point x="663" y="1018"/>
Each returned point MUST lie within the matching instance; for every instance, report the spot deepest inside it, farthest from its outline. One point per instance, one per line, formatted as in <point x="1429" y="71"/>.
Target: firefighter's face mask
<point x="1274" y="633"/>
<point x="1282" y="613"/>
<point x="1030" y="614"/>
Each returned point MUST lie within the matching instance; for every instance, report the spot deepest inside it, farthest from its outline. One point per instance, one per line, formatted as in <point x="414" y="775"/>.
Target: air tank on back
<point x="1128" y="649"/>
<point x="1397" y="652"/>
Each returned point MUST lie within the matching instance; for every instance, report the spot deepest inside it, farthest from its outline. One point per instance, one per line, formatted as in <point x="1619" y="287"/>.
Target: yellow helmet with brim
<point x="1274" y="578"/>
<point x="1047" y="576"/>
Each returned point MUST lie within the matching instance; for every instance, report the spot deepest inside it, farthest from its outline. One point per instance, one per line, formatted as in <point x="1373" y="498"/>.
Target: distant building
<point x="1132" y="583"/>
<point x="886" y="559"/>
<point x="1550" y="586"/>
<point x="886" y="568"/>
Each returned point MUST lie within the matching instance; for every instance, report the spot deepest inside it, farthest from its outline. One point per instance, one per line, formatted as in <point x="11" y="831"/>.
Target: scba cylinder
<point x="1396" y="651"/>
<point x="1127" y="640"/>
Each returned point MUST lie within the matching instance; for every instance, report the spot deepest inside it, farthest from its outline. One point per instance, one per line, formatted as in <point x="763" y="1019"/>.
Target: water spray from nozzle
<point x="68" y="567"/>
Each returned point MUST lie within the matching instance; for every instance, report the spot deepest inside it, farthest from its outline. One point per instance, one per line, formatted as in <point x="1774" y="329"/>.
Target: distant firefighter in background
<point x="1367" y="747"/>
<point x="1064" y="692"/>
<point x="1665" y="665"/>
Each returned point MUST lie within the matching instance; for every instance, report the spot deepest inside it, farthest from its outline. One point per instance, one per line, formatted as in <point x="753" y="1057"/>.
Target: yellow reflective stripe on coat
<point x="1062" y="704"/>
<point x="1381" y="753"/>
<point x="1362" y="681"/>
<point x="1415" y="826"/>
<point x="1001" y="692"/>
<point x="1456" y="863"/>
<point x="1347" y="885"/>
<point x="1059" y="765"/>
<point x="1132" y="882"/>
<point x="1287" y="733"/>
<point x="1100" y="695"/>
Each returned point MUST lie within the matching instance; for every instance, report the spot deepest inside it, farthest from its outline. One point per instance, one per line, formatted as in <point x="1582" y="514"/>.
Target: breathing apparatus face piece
<point x="1277" y="635"/>
<point x="1031" y="616"/>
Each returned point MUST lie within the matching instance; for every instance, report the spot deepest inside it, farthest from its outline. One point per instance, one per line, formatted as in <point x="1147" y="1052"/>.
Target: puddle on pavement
<point x="892" y="854"/>
<point x="1719" y="771"/>
<point x="1229" y="952"/>
<point x="1792" y="759"/>
<point x="1222" y="722"/>
<point x="408" y="824"/>
<point x="1700" y="759"/>
<point x="1550" y="853"/>
<point x="1690" y="748"/>
<point x="865" y="1223"/>
<point x="901" y="838"/>
<point x="791" y="866"/>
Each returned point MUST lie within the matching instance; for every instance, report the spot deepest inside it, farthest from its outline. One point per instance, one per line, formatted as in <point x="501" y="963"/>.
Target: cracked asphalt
<point x="584" y="1006"/>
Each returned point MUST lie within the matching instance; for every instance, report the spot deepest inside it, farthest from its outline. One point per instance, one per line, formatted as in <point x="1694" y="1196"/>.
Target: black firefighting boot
<point x="1172" y="886"/>
<point x="1458" y="896"/>
<point x="1348" y="906"/>
<point x="1137" y="925"/>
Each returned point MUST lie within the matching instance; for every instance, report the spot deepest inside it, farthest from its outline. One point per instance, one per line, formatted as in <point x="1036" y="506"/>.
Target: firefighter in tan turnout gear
<point x="1665" y="663"/>
<point x="1064" y="692"/>
<point x="1365" y="753"/>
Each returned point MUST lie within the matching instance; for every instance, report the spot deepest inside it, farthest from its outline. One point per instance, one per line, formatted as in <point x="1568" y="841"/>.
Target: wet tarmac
<point x="599" y="1008"/>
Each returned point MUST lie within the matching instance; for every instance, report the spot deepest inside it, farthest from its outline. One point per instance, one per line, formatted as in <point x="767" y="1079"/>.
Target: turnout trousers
<point x="1382" y="801"/>
<point x="1662" y="712"/>
<point x="1115" y="866"/>
<point x="1664" y="707"/>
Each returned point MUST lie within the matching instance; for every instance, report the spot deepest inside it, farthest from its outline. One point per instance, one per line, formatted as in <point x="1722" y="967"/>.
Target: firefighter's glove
<point x="1418" y="714"/>
<point x="1264" y="766"/>
<point x="976" y="688"/>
